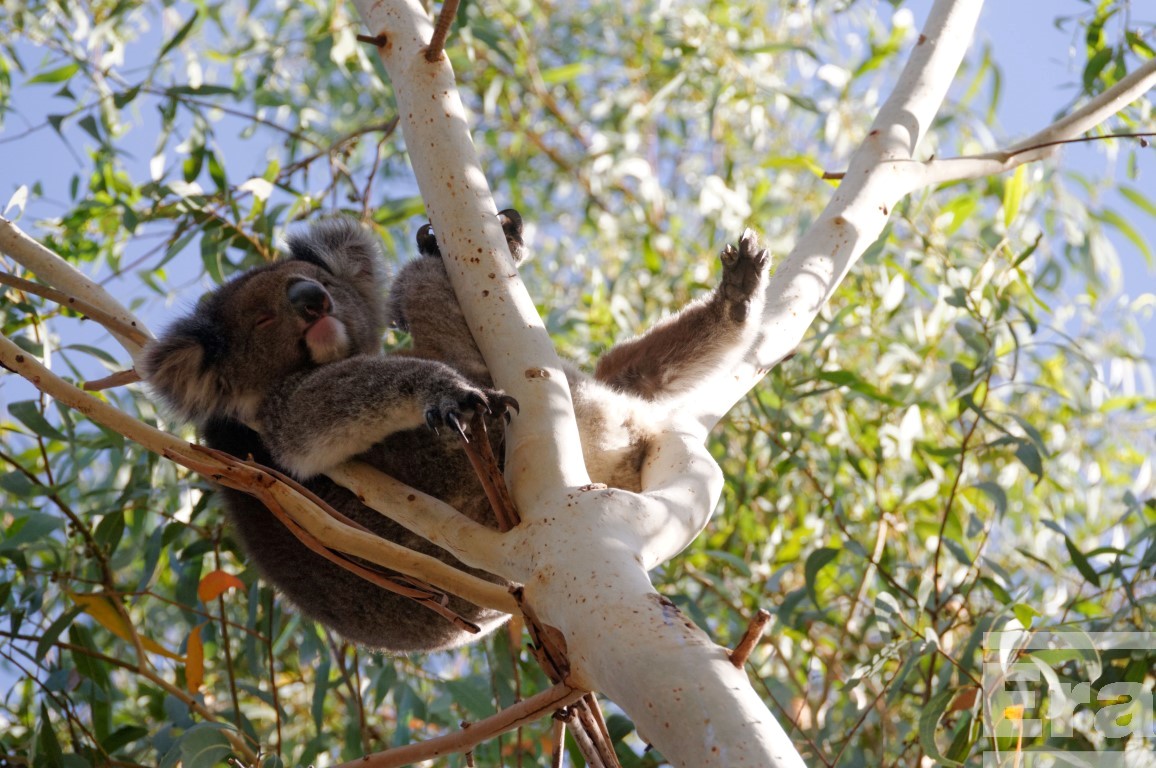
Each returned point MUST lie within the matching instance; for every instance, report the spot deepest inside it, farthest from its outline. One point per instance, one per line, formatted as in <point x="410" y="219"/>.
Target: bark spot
<point x="537" y="373"/>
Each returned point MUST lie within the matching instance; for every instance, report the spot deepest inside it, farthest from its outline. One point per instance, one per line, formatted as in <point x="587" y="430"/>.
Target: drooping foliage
<point x="962" y="444"/>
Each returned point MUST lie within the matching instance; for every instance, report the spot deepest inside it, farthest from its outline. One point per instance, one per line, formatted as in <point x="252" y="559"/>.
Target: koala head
<point x="322" y="302"/>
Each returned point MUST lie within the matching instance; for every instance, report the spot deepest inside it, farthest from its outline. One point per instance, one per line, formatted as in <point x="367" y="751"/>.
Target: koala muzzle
<point x="309" y="300"/>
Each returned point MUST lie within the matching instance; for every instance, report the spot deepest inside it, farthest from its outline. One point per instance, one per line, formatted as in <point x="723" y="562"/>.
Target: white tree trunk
<point x="582" y="554"/>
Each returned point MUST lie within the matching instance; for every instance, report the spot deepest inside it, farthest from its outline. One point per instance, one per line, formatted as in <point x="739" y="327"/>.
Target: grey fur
<point x="269" y="366"/>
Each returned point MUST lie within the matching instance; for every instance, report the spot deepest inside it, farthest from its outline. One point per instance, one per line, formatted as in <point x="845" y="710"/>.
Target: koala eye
<point x="264" y="321"/>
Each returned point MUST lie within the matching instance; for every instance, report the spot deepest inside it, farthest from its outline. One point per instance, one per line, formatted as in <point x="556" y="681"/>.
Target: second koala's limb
<point x="328" y="415"/>
<point x="680" y="351"/>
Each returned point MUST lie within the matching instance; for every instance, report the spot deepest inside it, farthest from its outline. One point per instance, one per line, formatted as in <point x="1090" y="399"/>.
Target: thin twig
<point x="558" y="736"/>
<point x="533" y="708"/>
<point x="437" y="43"/>
<point x="485" y="464"/>
<point x="750" y="638"/>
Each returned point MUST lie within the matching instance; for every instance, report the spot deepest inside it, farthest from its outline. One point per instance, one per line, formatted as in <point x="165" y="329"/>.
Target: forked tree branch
<point x="1042" y="144"/>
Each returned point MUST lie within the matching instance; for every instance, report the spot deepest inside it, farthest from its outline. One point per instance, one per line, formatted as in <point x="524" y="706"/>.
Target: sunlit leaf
<point x="194" y="660"/>
<point x="214" y="583"/>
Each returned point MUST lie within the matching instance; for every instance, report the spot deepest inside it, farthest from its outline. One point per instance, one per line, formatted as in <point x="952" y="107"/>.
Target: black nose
<point x="309" y="299"/>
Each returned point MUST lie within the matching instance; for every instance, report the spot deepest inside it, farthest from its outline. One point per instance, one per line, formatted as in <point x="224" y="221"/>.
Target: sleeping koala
<point x="284" y="363"/>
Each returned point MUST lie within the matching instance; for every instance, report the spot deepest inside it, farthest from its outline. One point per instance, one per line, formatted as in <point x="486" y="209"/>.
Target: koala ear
<point x="511" y="222"/>
<point x="347" y="250"/>
<point x="177" y="369"/>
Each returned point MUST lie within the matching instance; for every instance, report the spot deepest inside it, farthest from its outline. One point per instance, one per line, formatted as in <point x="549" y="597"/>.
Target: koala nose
<point x="309" y="299"/>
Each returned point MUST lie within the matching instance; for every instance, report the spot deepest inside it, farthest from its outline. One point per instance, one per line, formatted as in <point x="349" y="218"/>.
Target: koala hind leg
<point x="680" y="351"/>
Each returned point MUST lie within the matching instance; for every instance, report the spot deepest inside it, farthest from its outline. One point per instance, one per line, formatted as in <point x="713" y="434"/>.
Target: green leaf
<point x="200" y="90"/>
<point x="996" y="589"/>
<point x="216" y="171"/>
<point x="205" y="746"/>
<point x="564" y="73"/>
<point x="929" y="717"/>
<point x="1013" y="195"/>
<point x="46" y="743"/>
<point x="48" y="638"/>
<point x="1025" y="613"/>
<point x="126" y="734"/>
<point x="110" y="531"/>
<point x="17" y="484"/>
<point x="91" y="127"/>
<point x="1125" y="228"/>
<point x="816" y="561"/>
<point x="27" y="412"/>
<point x="997" y="495"/>
<point x="31" y="528"/>
<point x="857" y="385"/>
<point x="472" y="694"/>
<point x="1137" y="198"/>
<point x="1030" y="458"/>
<point x="1082" y="565"/>
<point x="320" y="688"/>
<point x="58" y="75"/>
<point x="1094" y="67"/>
<point x="181" y="34"/>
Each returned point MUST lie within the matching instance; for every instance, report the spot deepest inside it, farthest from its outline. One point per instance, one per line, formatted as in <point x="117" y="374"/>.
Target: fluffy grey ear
<point x="177" y="368"/>
<point x="346" y="249"/>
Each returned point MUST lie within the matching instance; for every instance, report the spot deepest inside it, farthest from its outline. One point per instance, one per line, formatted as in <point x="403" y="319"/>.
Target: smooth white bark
<point x="581" y="553"/>
<point x="57" y="272"/>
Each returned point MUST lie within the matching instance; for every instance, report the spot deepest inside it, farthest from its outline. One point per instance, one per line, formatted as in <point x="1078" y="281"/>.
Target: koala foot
<point x="450" y="410"/>
<point x="511" y="220"/>
<point x="743" y="271"/>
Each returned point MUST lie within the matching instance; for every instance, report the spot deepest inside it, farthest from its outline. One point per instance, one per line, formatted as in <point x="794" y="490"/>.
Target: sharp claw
<point x="453" y="421"/>
<point x="431" y="419"/>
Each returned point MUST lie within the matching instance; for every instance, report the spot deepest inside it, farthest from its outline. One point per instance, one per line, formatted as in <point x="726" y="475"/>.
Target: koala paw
<point x="453" y="409"/>
<point x="427" y="244"/>
<point x="743" y="271"/>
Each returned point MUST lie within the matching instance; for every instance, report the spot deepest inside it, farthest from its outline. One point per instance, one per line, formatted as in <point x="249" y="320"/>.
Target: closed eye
<point x="264" y="321"/>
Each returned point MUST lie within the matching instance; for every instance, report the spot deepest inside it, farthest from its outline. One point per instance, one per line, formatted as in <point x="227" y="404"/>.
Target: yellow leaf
<point x="195" y="660"/>
<point x="213" y="584"/>
<point x="102" y="608"/>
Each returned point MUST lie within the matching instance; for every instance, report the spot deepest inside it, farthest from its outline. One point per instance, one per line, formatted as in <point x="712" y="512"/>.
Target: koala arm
<point x="679" y="352"/>
<point x="326" y="416"/>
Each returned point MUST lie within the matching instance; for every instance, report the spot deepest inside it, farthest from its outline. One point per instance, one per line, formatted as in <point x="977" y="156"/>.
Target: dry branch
<point x="522" y="713"/>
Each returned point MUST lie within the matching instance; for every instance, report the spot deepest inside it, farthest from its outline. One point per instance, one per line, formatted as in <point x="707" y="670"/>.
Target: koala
<point x="284" y="364"/>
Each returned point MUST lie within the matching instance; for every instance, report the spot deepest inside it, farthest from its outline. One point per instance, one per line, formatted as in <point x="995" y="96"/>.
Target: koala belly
<point x="358" y="610"/>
